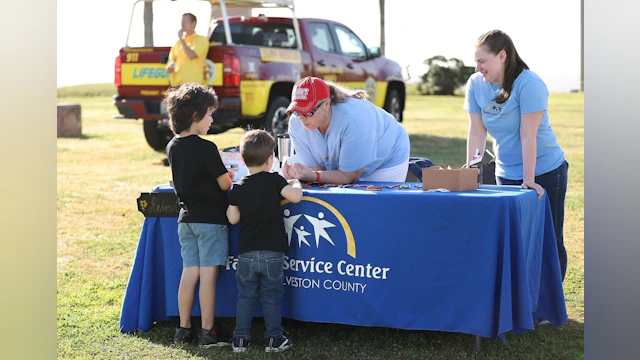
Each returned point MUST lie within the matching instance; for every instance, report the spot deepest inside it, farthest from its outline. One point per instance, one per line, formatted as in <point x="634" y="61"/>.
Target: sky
<point x="546" y="33"/>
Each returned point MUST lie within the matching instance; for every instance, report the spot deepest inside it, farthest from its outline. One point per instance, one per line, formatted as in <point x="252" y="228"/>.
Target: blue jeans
<point x="554" y="183"/>
<point x="259" y="275"/>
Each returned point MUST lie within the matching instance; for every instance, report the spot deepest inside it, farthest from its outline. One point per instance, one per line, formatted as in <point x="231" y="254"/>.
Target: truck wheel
<point x="276" y="121"/>
<point x="157" y="134"/>
<point x="392" y="104"/>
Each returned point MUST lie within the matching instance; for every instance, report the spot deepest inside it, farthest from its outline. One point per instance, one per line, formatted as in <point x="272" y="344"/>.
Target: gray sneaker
<point x="278" y="344"/>
<point x="210" y="339"/>
<point x="183" y="335"/>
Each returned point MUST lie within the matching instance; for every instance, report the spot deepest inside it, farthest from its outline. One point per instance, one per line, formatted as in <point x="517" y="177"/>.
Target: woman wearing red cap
<point x="340" y="137"/>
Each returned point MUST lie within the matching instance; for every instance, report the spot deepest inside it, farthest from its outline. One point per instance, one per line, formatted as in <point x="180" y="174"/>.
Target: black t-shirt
<point x="195" y="166"/>
<point x="258" y="198"/>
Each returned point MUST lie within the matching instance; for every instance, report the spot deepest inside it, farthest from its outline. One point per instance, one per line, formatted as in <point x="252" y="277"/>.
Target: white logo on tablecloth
<point x="302" y="236"/>
<point x="316" y="272"/>
<point x="319" y="226"/>
<point x="289" y="221"/>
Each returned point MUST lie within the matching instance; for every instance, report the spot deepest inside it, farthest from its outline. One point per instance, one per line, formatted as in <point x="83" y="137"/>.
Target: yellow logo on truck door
<point x="213" y="73"/>
<point x="377" y="90"/>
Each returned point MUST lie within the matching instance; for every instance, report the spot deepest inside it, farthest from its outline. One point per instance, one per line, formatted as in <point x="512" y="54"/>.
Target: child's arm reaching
<point x="293" y="191"/>
<point x="233" y="214"/>
<point x="224" y="181"/>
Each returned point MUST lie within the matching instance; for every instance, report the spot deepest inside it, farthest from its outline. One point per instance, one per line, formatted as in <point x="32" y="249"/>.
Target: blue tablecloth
<point x="481" y="262"/>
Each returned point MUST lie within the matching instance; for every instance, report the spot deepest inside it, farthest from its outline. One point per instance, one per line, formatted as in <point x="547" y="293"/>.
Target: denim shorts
<point x="203" y="244"/>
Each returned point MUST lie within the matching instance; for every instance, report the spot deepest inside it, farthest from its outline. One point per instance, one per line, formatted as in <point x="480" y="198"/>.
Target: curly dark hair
<point x="256" y="146"/>
<point x="187" y="103"/>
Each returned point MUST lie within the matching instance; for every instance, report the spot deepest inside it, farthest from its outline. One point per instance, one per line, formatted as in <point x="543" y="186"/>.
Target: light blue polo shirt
<point x="529" y="94"/>
<point x="360" y="135"/>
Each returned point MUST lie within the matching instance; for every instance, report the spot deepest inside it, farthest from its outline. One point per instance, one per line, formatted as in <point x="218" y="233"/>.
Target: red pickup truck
<point x="253" y="71"/>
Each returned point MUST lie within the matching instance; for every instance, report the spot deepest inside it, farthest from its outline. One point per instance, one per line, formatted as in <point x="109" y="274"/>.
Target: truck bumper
<point x="149" y="109"/>
<point x="228" y="111"/>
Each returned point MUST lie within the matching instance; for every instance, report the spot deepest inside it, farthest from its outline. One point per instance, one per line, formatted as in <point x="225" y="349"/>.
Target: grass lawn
<point x="102" y="172"/>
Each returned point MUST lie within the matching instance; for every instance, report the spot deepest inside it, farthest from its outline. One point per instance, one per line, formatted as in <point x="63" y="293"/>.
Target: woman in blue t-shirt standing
<point x="510" y="102"/>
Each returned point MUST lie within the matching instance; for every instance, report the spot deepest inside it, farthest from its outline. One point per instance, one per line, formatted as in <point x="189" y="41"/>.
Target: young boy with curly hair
<point x="201" y="182"/>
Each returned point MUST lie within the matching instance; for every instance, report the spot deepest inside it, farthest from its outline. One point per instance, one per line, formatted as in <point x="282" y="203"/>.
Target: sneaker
<point x="222" y="334"/>
<point x="278" y="344"/>
<point x="210" y="339"/>
<point x="240" y="344"/>
<point x="540" y="321"/>
<point x="183" y="335"/>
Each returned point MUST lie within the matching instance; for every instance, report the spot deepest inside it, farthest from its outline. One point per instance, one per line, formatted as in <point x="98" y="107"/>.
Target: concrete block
<point x="69" y="119"/>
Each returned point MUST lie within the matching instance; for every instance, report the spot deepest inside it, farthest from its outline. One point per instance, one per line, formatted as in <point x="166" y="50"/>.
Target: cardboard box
<point x="435" y="177"/>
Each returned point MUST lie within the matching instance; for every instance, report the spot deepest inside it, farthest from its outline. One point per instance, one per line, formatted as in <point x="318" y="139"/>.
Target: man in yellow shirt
<point x="187" y="56"/>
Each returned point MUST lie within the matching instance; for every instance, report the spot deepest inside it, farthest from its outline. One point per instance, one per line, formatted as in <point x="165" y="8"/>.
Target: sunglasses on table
<point x="310" y="114"/>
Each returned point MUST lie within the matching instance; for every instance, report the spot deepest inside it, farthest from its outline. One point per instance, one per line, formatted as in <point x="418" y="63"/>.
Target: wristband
<point x="317" y="176"/>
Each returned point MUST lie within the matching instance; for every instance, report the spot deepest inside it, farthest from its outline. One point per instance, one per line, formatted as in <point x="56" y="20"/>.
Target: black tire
<point x="392" y="104"/>
<point x="276" y="121"/>
<point x="157" y="134"/>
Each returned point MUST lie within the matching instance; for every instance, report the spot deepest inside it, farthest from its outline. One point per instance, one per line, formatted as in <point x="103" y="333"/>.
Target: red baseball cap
<point x="307" y="93"/>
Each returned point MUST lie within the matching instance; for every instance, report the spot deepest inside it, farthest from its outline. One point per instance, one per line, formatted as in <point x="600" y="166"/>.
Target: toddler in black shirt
<point x="254" y="202"/>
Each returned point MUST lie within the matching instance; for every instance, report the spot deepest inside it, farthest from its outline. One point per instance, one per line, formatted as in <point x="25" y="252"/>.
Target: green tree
<point x="444" y="75"/>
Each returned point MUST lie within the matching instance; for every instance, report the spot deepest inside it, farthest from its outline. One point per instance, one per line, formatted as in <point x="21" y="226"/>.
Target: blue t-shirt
<point x="529" y="94"/>
<point x="360" y="135"/>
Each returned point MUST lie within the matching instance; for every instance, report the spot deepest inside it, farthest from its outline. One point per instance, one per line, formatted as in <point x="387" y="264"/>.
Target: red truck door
<point x="363" y="73"/>
<point x="352" y="51"/>
<point x="328" y="64"/>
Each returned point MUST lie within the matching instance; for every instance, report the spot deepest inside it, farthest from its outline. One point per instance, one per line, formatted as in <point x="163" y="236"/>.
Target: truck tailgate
<point x="144" y="66"/>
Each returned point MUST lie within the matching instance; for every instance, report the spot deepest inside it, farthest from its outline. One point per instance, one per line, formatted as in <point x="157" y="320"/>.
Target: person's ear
<point x="502" y="56"/>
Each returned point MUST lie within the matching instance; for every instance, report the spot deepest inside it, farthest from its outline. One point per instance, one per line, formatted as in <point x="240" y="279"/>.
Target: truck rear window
<point x="280" y="35"/>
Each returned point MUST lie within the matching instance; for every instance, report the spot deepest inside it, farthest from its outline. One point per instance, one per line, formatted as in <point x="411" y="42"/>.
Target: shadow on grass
<point x="162" y="162"/>
<point x="79" y="137"/>
<point x="336" y="341"/>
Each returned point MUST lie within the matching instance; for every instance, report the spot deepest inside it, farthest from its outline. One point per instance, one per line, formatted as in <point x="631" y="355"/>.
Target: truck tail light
<point x="230" y="70"/>
<point x="118" y="72"/>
